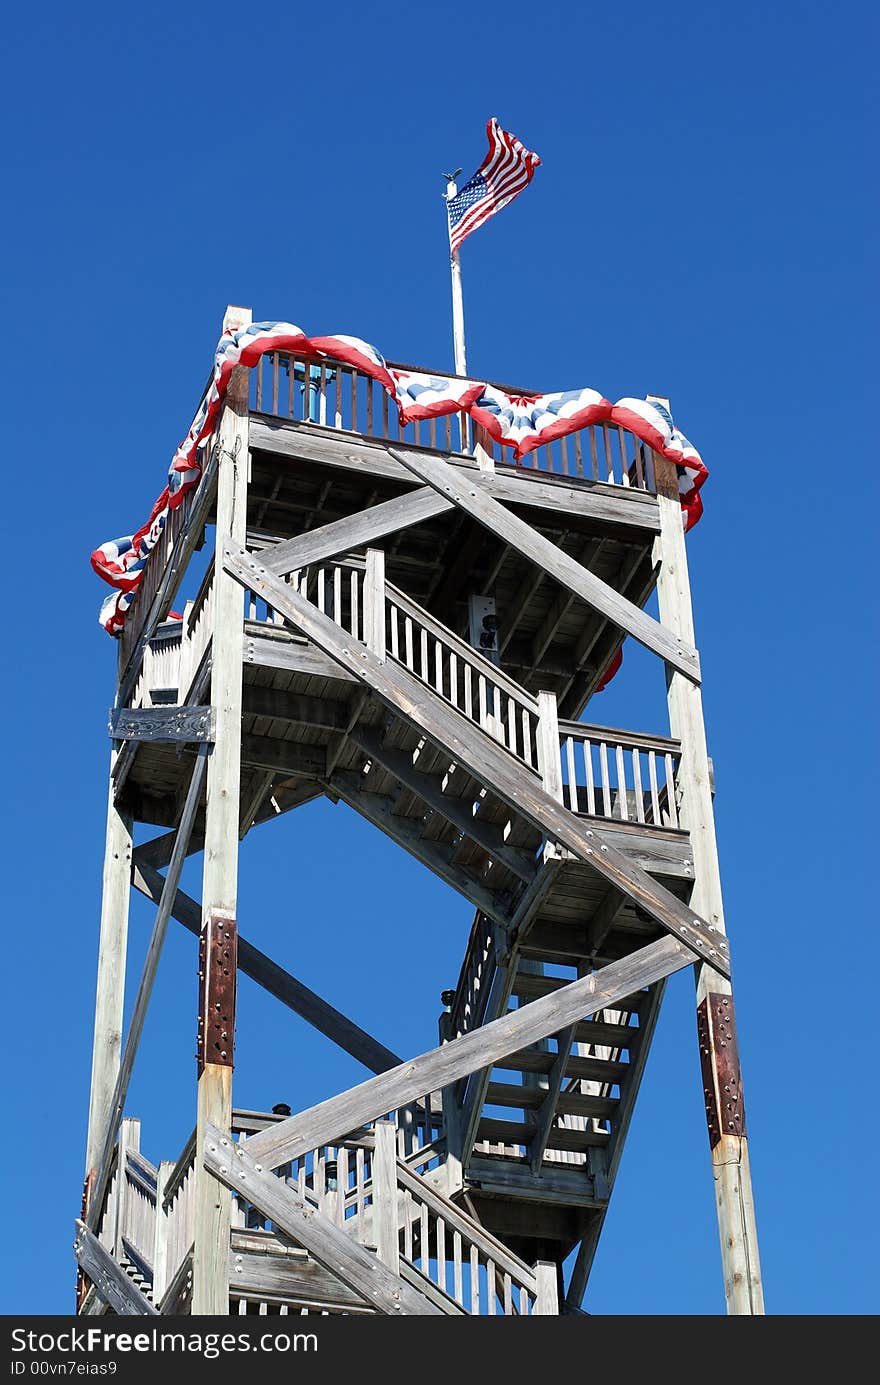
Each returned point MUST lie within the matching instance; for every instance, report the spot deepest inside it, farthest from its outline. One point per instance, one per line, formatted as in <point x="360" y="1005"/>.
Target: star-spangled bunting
<point x="520" y="422"/>
<point x="507" y="168"/>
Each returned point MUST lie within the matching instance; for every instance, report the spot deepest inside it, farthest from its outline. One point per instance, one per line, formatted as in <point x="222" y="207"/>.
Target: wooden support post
<point x="547" y="1298"/>
<point x="160" y="1238"/>
<point x="145" y="990"/>
<point x="220" y="879"/>
<point x="107" y="1046"/>
<point x="374" y="603"/>
<point x="716" y="1024"/>
<point x="385" y="1219"/>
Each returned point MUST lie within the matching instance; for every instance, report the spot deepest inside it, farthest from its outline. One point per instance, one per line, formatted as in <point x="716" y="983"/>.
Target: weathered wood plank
<point x="287" y="1276"/>
<point x="482" y="1048"/>
<point x="238" y="1168"/>
<point x="287" y="757"/>
<point x="294" y="656"/>
<point x="484" y="758"/>
<point x="296" y="707"/>
<point x="355" y="531"/>
<point x="469" y="494"/>
<point x="273" y="978"/>
<point x="110" y="990"/>
<point x="111" y="1282"/>
<point x="351" y="452"/>
<point x="172" y="724"/>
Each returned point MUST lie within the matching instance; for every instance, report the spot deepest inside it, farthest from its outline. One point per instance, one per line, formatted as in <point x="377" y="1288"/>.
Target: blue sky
<point x="698" y="229"/>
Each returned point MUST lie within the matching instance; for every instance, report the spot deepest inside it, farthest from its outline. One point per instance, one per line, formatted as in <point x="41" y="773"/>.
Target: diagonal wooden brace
<point x="470" y="494"/>
<point x="481" y="755"/>
<point x="112" y="1284"/>
<point x="235" y="1166"/>
<point x="481" y="1048"/>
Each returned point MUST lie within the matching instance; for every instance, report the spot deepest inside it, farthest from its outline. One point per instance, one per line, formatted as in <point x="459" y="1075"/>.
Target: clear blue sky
<point x="699" y="229"/>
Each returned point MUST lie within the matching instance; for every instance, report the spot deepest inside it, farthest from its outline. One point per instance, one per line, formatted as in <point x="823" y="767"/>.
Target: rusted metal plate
<point x="218" y="967"/>
<point x="719" y="1064"/>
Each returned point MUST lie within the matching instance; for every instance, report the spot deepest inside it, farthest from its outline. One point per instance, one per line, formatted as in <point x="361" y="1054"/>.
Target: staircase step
<point x="592" y="1069"/>
<point x="531" y="1098"/>
<point x="528" y="986"/>
<point x="514" y="1133"/>
<point x="610" y="1035"/>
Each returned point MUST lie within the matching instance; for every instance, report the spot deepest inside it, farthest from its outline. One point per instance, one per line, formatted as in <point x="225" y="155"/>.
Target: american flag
<point x="506" y="170"/>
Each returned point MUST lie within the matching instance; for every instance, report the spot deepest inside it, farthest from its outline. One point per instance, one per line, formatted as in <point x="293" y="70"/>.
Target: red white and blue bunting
<point x="520" y="422"/>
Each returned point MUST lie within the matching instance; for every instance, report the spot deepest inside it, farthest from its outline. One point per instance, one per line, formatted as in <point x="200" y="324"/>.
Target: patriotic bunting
<point x="520" y="422"/>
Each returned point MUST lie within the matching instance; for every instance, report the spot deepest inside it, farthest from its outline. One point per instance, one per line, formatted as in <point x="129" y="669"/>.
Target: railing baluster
<point x="453" y="679"/>
<point x="337" y="595"/>
<point x="670" y="791"/>
<point x="624" y="474"/>
<point x="423" y="650"/>
<point x="371" y="385"/>
<point x="354" y="402"/>
<point x="322" y="396"/>
<point x="457" y="1286"/>
<point x="527" y="737"/>
<point x="355" y="625"/>
<point x="321" y="582"/>
<point x="621" y="784"/>
<point x="655" y="793"/>
<point x="475" y="1281"/>
<point x="468" y="691"/>
<point x="441" y="1252"/>
<point x="408" y="633"/>
<point x="491" y="1287"/>
<point x="594" y="455"/>
<point x="395" y="633"/>
<point x="275" y="382"/>
<point x="637" y="781"/>
<point x="572" y="776"/>
<point x="438" y="666"/>
<point x="606" y="786"/>
<point x="337" y="416"/>
<point x="609" y="461"/>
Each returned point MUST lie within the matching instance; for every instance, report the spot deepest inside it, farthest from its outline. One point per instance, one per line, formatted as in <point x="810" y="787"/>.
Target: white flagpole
<point x="457" y="310"/>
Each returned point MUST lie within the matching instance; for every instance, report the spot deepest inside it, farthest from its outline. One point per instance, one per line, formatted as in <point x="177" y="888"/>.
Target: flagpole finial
<point x="451" y="184"/>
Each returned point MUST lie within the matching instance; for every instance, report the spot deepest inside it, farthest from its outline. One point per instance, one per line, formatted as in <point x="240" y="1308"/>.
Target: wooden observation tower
<point x="412" y="626"/>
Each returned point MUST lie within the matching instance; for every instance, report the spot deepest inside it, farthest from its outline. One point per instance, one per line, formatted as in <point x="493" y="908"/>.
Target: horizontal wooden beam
<point x="287" y="757"/>
<point x="588" y="501"/>
<point x="299" y="708"/>
<point x="359" y="1269"/>
<point x="354" y="531"/>
<point x="490" y="764"/>
<point x="273" y="978"/>
<point x="294" y="656"/>
<point x="480" y="1049"/>
<point x="471" y="495"/>
<point x="112" y="1284"/>
<point x="180" y="724"/>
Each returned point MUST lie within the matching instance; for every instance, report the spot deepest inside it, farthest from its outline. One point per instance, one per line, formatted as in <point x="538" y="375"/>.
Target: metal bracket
<point x="719" y="1062"/>
<point x="218" y="970"/>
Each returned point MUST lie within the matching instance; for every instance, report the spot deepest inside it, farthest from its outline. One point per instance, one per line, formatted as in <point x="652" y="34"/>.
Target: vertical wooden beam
<point x="160" y="1238"/>
<point x="730" y="1159"/>
<point x="385" y="1195"/>
<point x="110" y="996"/>
<point x="547" y="1298"/>
<point x="549" y="761"/>
<point x="220" y="878"/>
<point x="374" y="603"/>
